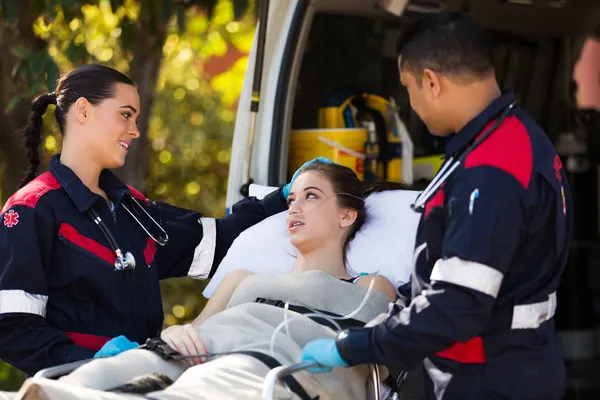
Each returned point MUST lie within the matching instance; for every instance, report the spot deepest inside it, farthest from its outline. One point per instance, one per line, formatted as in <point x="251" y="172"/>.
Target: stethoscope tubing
<point x="451" y="165"/>
<point x="122" y="260"/>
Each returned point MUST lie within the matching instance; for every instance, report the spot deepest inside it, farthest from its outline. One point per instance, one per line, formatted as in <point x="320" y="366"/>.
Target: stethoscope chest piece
<point x="124" y="262"/>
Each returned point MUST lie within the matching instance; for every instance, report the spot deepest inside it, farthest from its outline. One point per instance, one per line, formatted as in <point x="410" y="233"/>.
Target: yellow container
<point x="343" y="146"/>
<point x="330" y="118"/>
<point x="423" y="168"/>
<point x="426" y="167"/>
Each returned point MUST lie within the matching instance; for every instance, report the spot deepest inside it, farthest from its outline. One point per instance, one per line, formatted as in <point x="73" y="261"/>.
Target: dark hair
<point x="352" y="193"/>
<point x="449" y="43"/>
<point x="92" y="81"/>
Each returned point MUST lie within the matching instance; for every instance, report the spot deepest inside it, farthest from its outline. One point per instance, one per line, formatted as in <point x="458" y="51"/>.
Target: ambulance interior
<point x="348" y="47"/>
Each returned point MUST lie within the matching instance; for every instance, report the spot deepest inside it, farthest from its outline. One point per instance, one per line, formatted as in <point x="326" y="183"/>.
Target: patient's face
<point x="314" y="217"/>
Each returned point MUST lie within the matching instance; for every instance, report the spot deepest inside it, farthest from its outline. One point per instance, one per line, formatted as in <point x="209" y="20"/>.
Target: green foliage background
<point x="191" y="125"/>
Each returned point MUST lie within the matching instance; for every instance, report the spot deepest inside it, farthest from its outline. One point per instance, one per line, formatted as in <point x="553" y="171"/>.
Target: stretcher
<point x="271" y="380"/>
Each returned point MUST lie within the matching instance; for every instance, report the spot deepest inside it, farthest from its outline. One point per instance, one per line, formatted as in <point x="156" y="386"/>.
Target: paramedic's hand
<point x="185" y="339"/>
<point x="288" y="187"/>
<point x="115" y="346"/>
<point x="324" y="352"/>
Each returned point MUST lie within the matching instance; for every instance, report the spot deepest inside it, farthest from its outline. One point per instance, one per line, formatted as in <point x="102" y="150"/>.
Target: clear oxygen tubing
<point x="293" y="215"/>
<point x="285" y="322"/>
<point x="315" y="313"/>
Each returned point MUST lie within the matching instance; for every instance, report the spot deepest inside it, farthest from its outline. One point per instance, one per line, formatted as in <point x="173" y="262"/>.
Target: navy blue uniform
<point x="491" y="247"/>
<point x="60" y="297"/>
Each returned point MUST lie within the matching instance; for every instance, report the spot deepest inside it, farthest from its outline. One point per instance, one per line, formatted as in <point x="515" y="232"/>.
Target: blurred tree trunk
<point x="148" y="44"/>
<point x="13" y="162"/>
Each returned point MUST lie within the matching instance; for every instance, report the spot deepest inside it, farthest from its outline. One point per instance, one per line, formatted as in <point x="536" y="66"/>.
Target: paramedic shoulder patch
<point x="11" y="218"/>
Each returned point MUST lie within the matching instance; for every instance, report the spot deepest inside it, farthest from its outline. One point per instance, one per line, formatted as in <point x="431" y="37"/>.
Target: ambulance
<point x="322" y="80"/>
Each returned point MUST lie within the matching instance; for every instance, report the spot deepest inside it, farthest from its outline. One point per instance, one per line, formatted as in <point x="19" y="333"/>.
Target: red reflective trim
<point x="469" y="352"/>
<point x="557" y="167"/>
<point x="508" y="149"/>
<point x="30" y="194"/>
<point x="149" y="251"/>
<point x="138" y="195"/>
<point x="435" y="202"/>
<point x="91" y="342"/>
<point x="71" y="234"/>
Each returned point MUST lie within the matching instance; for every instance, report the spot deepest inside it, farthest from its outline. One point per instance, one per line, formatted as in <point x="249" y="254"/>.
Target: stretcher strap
<point x="289" y="380"/>
<point x="395" y="379"/>
<point x="160" y="347"/>
<point x="469" y="352"/>
<point x="91" y="342"/>
<point x="144" y="384"/>
<point x="344" y="323"/>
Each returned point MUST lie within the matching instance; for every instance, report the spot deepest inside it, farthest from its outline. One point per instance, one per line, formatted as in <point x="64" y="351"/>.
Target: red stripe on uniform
<point x="30" y="194"/>
<point x="469" y="352"/>
<point x="138" y="195"/>
<point x="435" y="202"/>
<point x="71" y="234"/>
<point x="508" y="149"/>
<point x="91" y="342"/>
<point x="150" y="251"/>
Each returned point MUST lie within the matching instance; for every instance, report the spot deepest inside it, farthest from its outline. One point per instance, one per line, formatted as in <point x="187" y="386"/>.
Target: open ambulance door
<point x="318" y="51"/>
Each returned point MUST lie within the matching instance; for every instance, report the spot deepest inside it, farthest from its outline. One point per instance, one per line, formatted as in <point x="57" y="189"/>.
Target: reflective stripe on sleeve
<point x="468" y="274"/>
<point x="531" y="316"/>
<point x="19" y="301"/>
<point x="204" y="254"/>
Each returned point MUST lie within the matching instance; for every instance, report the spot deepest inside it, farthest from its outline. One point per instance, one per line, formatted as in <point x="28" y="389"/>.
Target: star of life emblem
<point x="11" y="218"/>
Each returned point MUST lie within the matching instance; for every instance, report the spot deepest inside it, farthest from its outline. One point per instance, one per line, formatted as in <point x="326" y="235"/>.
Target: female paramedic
<point x="279" y="313"/>
<point x="81" y="253"/>
<point x="493" y="239"/>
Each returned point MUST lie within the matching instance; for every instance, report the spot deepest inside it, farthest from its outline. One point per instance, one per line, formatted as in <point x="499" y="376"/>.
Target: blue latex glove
<point x="115" y="346"/>
<point x="287" y="188"/>
<point x="324" y="352"/>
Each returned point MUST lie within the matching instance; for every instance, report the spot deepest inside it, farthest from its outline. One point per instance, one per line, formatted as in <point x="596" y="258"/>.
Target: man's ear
<point x="432" y="82"/>
<point x="348" y="218"/>
<point x="82" y="109"/>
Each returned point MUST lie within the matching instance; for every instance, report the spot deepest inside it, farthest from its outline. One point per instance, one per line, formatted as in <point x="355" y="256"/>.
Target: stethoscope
<point x="126" y="261"/>
<point x="453" y="163"/>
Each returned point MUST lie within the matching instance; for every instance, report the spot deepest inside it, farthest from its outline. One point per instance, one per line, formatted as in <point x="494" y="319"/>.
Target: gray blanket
<point x="248" y="325"/>
<point x="244" y="325"/>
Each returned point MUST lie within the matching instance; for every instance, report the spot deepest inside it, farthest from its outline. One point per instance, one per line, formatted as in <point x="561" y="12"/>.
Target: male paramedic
<point x="492" y="242"/>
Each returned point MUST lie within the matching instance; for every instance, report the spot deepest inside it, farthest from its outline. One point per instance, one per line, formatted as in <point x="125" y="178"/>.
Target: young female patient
<point x="326" y="208"/>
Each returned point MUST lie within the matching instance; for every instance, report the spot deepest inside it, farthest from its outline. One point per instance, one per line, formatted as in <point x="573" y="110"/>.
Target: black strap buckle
<point x="160" y="347"/>
<point x="270" y="302"/>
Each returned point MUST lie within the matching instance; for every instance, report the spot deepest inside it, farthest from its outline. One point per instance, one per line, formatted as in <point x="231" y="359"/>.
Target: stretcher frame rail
<point x="276" y="374"/>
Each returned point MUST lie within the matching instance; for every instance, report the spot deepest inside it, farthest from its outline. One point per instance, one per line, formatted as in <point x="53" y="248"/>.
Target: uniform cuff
<point x="274" y="202"/>
<point x="204" y="253"/>
<point x="79" y="353"/>
<point x="354" y="346"/>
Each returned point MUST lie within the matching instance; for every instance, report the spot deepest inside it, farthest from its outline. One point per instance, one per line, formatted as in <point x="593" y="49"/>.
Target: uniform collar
<point x="476" y="125"/>
<point x="83" y="197"/>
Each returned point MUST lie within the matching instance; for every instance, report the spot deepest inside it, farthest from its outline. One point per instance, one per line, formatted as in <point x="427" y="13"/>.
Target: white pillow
<point x="385" y="243"/>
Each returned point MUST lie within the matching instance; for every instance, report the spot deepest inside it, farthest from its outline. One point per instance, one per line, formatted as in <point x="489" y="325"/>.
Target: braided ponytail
<point x="93" y="82"/>
<point x="32" y="133"/>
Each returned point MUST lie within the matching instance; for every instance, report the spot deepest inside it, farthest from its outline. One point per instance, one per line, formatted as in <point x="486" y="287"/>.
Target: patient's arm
<point x="185" y="338"/>
<point x="222" y="295"/>
<point x="382" y="284"/>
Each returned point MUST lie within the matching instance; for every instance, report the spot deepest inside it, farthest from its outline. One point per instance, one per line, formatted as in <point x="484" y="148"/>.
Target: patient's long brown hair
<point x="344" y="180"/>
